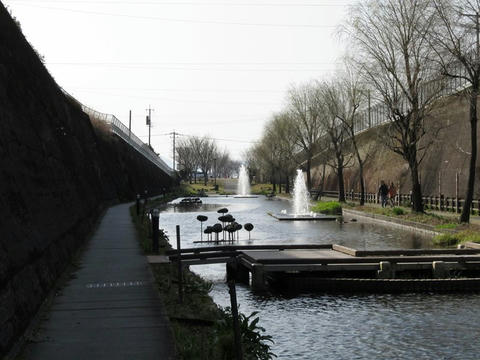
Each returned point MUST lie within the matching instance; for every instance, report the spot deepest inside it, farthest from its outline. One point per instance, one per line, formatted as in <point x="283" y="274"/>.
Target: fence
<point x="444" y="86"/>
<point x="437" y="203"/>
<point x="123" y="132"/>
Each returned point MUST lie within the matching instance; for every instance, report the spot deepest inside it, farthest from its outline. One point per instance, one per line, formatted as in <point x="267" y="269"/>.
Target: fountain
<point x="301" y="203"/>
<point x="243" y="187"/>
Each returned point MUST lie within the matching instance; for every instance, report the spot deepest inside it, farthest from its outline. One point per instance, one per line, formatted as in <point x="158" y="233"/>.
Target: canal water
<point x="325" y="326"/>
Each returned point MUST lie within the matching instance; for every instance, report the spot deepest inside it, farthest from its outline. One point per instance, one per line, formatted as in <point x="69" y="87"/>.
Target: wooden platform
<point x="311" y="265"/>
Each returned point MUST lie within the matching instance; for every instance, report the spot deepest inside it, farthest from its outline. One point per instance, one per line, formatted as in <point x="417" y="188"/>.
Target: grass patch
<point x="447" y="226"/>
<point x="328" y="208"/>
<point x="451" y="239"/>
<point x="406" y="214"/>
<point x="261" y="189"/>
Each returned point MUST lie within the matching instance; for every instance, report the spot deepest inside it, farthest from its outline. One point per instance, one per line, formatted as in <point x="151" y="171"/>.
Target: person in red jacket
<point x="392" y="192"/>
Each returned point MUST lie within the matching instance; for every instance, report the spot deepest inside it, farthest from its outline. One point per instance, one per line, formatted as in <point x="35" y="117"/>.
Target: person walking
<point x="383" y="193"/>
<point x="392" y="192"/>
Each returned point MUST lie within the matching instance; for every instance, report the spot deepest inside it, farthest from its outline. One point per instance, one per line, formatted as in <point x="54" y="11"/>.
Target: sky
<point x="216" y="68"/>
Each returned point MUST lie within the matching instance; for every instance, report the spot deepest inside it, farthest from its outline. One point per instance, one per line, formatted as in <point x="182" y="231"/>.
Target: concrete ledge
<point x="472" y="245"/>
<point x="398" y="223"/>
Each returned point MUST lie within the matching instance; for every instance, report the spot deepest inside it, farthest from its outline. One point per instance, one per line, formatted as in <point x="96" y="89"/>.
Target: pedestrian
<point x="392" y="192"/>
<point x="383" y="193"/>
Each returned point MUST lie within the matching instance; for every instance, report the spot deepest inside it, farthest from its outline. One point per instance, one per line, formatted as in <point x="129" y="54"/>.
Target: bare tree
<point x="207" y="152"/>
<point x="456" y="42"/>
<point x="280" y="131"/>
<point x="186" y="158"/>
<point x="330" y="99"/>
<point x="391" y="39"/>
<point x="306" y="122"/>
<point x="345" y="98"/>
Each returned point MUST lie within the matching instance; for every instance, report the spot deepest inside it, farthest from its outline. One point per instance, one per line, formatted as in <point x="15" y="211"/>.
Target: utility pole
<point x="174" y="134"/>
<point x="149" y="123"/>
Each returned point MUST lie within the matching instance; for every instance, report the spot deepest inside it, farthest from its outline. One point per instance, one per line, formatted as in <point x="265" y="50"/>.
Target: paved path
<point x="109" y="309"/>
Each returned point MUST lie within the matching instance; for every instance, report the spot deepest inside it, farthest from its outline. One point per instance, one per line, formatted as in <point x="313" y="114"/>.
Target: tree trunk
<point x="322" y="184"/>
<point x="362" y="182"/>
<point x="309" y="176"/>
<point x="465" y="216"/>
<point x="205" y="178"/>
<point x="417" y="201"/>
<point x="362" y="189"/>
<point x="287" y="185"/>
<point x="341" y="184"/>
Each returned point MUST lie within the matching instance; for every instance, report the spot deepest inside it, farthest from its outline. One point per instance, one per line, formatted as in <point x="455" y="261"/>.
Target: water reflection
<point x="322" y="326"/>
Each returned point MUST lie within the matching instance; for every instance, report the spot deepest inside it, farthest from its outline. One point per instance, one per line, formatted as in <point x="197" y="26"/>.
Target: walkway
<point x="109" y="309"/>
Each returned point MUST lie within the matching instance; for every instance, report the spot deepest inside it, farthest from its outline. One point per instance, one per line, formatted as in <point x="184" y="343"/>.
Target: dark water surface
<point x="319" y="326"/>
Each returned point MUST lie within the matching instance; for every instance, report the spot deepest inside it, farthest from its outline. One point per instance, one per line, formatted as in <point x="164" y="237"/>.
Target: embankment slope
<point x="56" y="175"/>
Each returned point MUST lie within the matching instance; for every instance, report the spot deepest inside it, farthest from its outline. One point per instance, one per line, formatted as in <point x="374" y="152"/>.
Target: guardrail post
<point x="179" y="267"/>
<point x="236" y="324"/>
<point x="155" y="230"/>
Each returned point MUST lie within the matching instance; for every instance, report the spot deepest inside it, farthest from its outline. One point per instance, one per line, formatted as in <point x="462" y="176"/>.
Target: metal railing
<point x="124" y="133"/>
<point x="377" y="114"/>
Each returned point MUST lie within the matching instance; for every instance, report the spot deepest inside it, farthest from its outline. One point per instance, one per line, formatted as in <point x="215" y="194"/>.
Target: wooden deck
<point x="262" y="266"/>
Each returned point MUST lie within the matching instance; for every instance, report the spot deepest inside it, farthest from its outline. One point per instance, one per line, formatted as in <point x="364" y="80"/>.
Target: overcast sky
<point x="217" y="68"/>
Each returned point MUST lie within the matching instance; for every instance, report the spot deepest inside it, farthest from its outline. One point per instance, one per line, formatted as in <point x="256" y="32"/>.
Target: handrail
<point x="123" y="132"/>
<point x="377" y="112"/>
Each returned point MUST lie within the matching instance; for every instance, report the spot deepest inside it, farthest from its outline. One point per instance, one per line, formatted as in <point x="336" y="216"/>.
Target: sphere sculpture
<point x="201" y="218"/>
<point x="217" y="228"/>
<point x="208" y="230"/>
<point x="248" y="227"/>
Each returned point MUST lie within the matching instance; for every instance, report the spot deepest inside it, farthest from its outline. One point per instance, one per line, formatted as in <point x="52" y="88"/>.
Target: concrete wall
<point x="56" y="175"/>
<point x="449" y="135"/>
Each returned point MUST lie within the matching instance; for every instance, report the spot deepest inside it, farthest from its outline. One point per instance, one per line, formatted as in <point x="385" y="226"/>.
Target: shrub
<point x="254" y="344"/>
<point x="447" y="226"/>
<point x="457" y="238"/>
<point x="328" y="208"/>
<point x="447" y="239"/>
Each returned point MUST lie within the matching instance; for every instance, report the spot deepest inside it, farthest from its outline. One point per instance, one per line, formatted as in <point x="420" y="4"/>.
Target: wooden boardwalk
<point x="263" y="266"/>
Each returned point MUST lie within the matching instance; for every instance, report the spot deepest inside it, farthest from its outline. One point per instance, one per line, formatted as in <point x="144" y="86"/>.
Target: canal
<point x="325" y="326"/>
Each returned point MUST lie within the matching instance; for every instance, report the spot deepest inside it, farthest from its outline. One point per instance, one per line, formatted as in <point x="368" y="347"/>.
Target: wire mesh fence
<point x="123" y="132"/>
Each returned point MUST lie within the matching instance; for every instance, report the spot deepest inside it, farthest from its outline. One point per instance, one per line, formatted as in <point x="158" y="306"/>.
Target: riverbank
<point x="444" y="227"/>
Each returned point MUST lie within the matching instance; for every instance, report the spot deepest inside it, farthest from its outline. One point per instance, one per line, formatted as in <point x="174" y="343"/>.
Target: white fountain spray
<point x="300" y="195"/>
<point x="243" y="187"/>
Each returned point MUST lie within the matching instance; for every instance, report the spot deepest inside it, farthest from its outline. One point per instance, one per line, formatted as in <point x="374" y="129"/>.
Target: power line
<point x="194" y="63"/>
<point x="176" y="20"/>
<point x="205" y="137"/>
<point x="177" y="68"/>
<point x="185" y="100"/>
<point x="186" y="3"/>
<point x="183" y="89"/>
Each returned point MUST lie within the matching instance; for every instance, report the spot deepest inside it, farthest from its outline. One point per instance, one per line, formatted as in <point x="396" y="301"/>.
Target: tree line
<point x="196" y="154"/>
<point x="403" y="54"/>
